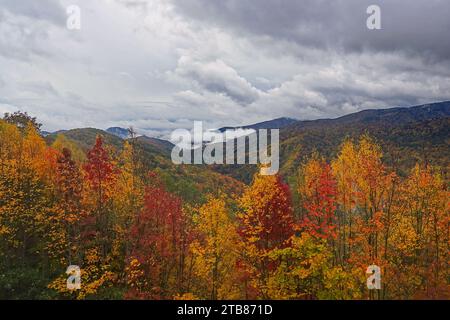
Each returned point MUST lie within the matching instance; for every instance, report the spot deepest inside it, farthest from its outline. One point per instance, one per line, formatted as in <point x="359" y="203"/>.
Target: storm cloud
<point x="413" y="26"/>
<point x="158" y="65"/>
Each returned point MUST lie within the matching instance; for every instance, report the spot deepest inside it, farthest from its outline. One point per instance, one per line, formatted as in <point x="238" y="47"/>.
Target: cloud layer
<point x="158" y="65"/>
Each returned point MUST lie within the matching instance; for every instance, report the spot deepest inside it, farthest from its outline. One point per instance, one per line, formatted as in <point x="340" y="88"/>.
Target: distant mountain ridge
<point x="406" y="134"/>
<point x="396" y="115"/>
<point x="119" y="132"/>
<point x="187" y="181"/>
<point x="270" y="124"/>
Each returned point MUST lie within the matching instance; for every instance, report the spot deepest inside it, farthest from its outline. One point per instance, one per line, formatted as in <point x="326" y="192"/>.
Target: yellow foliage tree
<point x="215" y="252"/>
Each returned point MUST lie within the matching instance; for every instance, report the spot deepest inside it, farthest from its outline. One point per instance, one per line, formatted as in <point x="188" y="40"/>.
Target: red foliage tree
<point x="100" y="174"/>
<point x="99" y="170"/>
<point x="69" y="188"/>
<point x="158" y="238"/>
<point x="319" y="220"/>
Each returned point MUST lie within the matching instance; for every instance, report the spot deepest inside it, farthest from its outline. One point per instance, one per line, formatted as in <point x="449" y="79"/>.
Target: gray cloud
<point x="49" y="10"/>
<point x="159" y="65"/>
<point x="415" y="26"/>
<point x="217" y="76"/>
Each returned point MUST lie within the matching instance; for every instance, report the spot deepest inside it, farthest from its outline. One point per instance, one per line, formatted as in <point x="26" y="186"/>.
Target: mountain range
<point x="406" y="134"/>
<point x="271" y="124"/>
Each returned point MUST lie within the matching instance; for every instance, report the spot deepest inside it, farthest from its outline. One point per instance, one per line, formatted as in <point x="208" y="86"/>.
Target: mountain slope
<point x="153" y="144"/>
<point x="85" y="137"/>
<point x="406" y="135"/>
<point x="271" y="124"/>
<point x="163" y="146"/>
<point x="395" y="116"/>
<point x="191" y="182"/>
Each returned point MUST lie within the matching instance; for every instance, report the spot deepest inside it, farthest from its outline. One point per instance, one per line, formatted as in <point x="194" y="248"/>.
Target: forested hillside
<point x="189" y="182"/>
<point x="140" y="227"/>
<point x="406" y="136"/>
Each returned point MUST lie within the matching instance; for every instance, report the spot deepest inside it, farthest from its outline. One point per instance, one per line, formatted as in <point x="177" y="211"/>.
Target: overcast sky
<point x="158" y="65"/>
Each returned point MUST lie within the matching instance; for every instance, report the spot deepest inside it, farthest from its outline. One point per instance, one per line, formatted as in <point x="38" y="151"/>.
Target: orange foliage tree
<point x="266" y="223"/>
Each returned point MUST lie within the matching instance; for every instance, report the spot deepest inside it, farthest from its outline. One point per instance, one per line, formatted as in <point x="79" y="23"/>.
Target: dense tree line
<point x="134" y="239"/>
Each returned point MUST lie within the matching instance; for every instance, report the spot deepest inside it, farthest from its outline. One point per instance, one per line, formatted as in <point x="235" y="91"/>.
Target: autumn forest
<point x="311" y="235"/>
